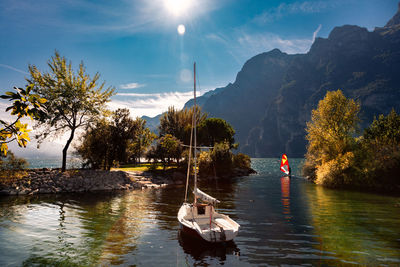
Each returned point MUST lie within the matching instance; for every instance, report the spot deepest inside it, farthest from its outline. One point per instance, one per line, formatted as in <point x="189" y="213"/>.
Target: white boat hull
<point x="209" y="226"/>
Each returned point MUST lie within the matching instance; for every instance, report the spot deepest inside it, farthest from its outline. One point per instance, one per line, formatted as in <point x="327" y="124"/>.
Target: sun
<point x="178" y="7"/>
<point x="181" y="29"/>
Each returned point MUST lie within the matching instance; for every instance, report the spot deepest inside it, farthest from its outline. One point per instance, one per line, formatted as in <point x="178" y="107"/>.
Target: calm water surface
<point x="282" y="222"/>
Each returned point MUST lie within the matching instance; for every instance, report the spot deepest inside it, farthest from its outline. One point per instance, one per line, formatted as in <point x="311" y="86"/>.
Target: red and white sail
<point x="285" y="164"/>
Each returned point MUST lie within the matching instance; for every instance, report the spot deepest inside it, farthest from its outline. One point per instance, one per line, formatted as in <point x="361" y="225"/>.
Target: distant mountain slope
<point x="273" y="95"/>
<point x="152" y="122"/>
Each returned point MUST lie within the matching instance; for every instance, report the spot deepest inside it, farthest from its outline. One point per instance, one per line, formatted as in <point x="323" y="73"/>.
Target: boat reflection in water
<point x="285" y="189"/>
<point x="200" y="249"/>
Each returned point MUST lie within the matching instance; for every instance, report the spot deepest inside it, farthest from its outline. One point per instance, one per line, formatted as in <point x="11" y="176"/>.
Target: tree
<point x="330" y="135"/>
<point x="179" y="122"/>
<point x="384" y="133"/>
<point x="380" y="146"/>
<point x="215" y="130"/>
<point x="141" y="141"/>
<point x="25" y="104"/>
<point x="123" y="130"/>
<point x="95" y="147"/>
<point x="168" y="147"/>
<point x="109" y="141"/>
<point x="74" y="99"/>
<point x="216" y="162"/>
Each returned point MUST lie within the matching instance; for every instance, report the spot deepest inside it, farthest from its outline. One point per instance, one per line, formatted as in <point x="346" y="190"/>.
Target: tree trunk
<point x="64" y="158"/>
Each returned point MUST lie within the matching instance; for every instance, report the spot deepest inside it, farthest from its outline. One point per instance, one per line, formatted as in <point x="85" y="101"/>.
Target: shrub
<point x="241" y="161"/>
<point x="12" y="168"/>
<point x="336" y="172"/>
<point x="11" y="162"/>
<point x="206" y="165"/>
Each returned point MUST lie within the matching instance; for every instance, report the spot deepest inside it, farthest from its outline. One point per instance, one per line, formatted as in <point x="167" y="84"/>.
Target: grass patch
<point x="143" y="167"/>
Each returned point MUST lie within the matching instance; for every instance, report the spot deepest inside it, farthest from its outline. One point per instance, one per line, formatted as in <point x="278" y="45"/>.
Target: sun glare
<point x="177" y="7"/>
<point x="181" y="29"/>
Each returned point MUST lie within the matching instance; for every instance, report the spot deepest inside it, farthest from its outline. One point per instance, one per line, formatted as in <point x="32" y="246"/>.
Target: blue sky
<point x="136" y="48"/>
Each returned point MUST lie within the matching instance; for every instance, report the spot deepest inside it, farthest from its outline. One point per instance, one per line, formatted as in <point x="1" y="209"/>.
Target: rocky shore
<point x="44" y="181"/>
<point x="47" y="181"/>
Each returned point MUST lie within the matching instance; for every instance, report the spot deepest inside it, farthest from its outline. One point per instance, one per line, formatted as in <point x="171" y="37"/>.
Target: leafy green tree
<point x="241" y="161"/>
<point x="330" y="133"/>
<point x="95" y="147"/>
<point x="384" y="133"/>
<point x="109" y="141"/>
<point x="168" y="147"/>
<point x="215" y="130"/>
<point x="216" y="162"/>
<point x="179" y="122"/>
<point x="74" y="99"/>
<point x="123" y="130"/>
<point x="380" y="145"/>
<point x="25" y="104"/>
<point x="141" y="141"/>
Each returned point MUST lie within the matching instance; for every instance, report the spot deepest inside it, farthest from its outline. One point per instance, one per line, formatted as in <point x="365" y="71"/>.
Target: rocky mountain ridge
<point x="273" y="95"/>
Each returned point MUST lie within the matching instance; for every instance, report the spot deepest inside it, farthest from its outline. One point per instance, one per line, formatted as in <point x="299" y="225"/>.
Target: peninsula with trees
<point x="283" y="104"/>
<point x="63" y="101"/>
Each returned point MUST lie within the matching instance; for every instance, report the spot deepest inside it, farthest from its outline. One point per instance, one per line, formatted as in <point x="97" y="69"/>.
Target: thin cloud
<point x="131" y="85"/>
<point x="306" y="7"/>
<point x="151" y="104"/>
<point x="216" y="37"/>
<point x="316" y="32"/>
<point x="14" y="69"/>
<point x="245" y="45"/>
<point x="252" y="44"/>
<point x="141" y="95"/>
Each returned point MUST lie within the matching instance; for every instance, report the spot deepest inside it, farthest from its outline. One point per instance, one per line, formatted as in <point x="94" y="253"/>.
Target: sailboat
<point x="285" y="165"/>
<point x="199" y="218"/>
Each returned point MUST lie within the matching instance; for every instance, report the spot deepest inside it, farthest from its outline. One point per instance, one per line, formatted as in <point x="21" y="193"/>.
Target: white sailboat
<point x="200" y="218"/>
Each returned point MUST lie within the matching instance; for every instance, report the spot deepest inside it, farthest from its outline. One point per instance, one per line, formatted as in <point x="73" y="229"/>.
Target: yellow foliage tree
<point x="330" y="134"/>
<point x="25" y="104"/>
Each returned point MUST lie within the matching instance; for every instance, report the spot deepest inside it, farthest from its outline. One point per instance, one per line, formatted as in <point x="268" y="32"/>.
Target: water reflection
<point x="283" y="222"/>
<point x="285" y="188"/>
<point x="201" y="250"/>
<point x="358" y="228"/>
<point x="123" y="237"/>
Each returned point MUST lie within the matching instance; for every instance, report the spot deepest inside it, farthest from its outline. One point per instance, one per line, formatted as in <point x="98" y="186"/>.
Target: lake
<point x="54" y="162"/>
<point x="283" y="221"/>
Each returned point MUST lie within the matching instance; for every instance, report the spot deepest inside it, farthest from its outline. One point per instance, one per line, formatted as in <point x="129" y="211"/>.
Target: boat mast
<point x="194" y="126"/>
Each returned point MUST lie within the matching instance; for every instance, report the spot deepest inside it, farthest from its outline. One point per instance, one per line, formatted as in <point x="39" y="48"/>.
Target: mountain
<point x="273" y="94"/>
<point x="152" y="122"/>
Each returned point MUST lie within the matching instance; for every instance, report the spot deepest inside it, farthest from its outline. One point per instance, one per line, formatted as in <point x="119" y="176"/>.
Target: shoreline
<point x="52" y="181"/>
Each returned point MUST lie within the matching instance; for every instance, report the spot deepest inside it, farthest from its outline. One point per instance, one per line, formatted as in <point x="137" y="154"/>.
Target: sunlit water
<point x="283" y="221"/>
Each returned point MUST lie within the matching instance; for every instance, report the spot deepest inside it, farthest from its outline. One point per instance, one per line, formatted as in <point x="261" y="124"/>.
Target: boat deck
<point x="217" y="224"/>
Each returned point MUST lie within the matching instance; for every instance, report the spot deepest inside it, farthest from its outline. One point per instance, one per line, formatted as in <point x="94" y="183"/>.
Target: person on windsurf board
<point x="285" y="165"/>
